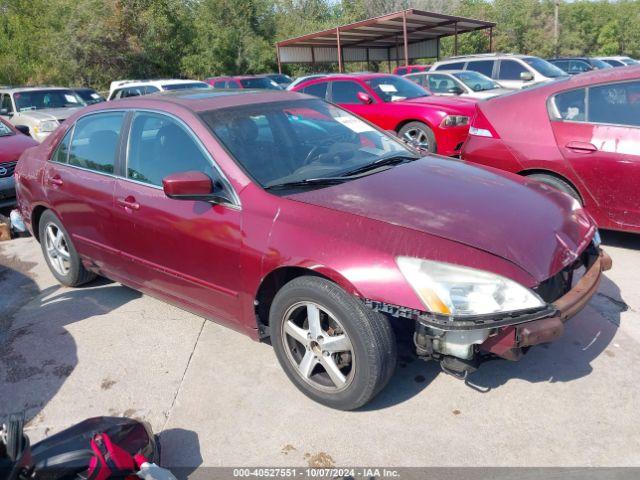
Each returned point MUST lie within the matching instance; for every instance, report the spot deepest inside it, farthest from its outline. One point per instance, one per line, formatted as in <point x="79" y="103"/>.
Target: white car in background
<point x="38" y="111"/>
<point x="619" y="61"/>
<point x="509" y="70"/>
<point x="462" y="83"/>
<point x="135" y="88"/>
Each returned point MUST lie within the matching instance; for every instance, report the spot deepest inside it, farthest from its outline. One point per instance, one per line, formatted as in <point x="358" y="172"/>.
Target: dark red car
<point x="12" y="144"/>
<point x="261" y="82"/>
<point x="580" y="135"/>
<point x="285" y="217"/>
<point x="404" y="70"/>
<point x="436" y="124"/>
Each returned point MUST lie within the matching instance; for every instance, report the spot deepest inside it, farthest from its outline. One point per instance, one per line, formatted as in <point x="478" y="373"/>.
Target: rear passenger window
<point x="482" y="66"/>
<point x="451" y="66"/>
<point x="317" y="90"/>
<point x="570" y="106"/>
<point x="61" y="155"/>
<point x="510" y="70"/>
<point x="95" y="141"/>
<point x="345" y="92"/>
<point x="616" y="104"/>
<point x="160" y="146"/>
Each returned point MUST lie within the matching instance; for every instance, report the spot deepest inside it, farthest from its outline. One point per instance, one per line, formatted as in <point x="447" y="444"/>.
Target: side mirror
<point x="23" y="129"/>
<point x="364" y="98"/>
<point x="190" y="186"/>
<point x="455" y="90"/>
<point x="526" y="76"/>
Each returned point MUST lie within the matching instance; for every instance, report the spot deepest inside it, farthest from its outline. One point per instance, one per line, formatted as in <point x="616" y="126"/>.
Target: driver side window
<point x="6" y="106"/>
<point x="159" y="146"/>
<point x="346" y="92"/>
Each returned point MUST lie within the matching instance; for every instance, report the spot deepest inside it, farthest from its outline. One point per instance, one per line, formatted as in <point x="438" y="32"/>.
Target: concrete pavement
<point x="220" y="399"/>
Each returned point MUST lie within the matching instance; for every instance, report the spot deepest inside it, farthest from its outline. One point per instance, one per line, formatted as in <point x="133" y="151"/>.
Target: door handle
<point x="582" y="147"/>
<point x="56" y="180"/>
<point x="128" y="202"/>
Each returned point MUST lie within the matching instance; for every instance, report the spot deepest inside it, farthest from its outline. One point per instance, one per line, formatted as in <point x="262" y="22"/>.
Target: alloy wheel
<point x="417" y="138"/>
<point x="57" y="249"/>
<point x="318" y="347"/>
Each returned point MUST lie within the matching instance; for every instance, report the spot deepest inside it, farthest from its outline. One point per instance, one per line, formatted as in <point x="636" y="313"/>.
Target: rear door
<point x="79" y="181"/>
<point x="186" y="251"/>
<point x="598" y="131"/>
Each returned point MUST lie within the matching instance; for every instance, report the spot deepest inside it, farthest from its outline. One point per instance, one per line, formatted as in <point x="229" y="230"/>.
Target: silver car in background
<point x="463" y="83"/>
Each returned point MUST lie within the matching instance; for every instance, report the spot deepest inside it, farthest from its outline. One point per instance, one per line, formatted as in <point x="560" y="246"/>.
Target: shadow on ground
<point x="620" y="239"/>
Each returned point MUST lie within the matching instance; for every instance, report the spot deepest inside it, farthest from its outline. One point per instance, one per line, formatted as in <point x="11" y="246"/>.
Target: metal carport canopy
<point x="407" y="34"/>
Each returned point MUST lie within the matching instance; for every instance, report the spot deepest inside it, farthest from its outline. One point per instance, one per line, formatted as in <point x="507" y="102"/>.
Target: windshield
<point x="5" y="130"/>
<point x="599" y="64"/>
<point x="476" y="81"/>
<point x="185" y="86"/>
<point x="545" y="68"/>
<point x="281" y="78"/>
<point x="43" y="99"/>
<point x="260" y="82"/>
<point x="630" y="61"/>
<point x="89" y="96"/>
<point x="393" y="88"/>
<point x="286" y="142"/>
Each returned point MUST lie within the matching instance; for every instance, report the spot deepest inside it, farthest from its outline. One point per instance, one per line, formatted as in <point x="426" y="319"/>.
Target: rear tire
<point x="421" y="134"/>
<point x="556" y="183"/>
<point x="60" y="254"/>
<point x="343" y="362"/>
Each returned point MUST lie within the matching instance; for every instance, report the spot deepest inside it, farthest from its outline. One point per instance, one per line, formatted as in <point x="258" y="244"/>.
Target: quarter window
<point x="159" y="146"/>
<point x="482" y="66"/>
<point x="569" y="106"/>
<point x="617" y="104"/>
<point x="95" y="141"/>
<point x="510" y="70"/>
<point x="346" y="92"/>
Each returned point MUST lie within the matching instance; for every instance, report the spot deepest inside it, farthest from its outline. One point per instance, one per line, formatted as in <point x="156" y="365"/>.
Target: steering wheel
<point x="316" y="151"/>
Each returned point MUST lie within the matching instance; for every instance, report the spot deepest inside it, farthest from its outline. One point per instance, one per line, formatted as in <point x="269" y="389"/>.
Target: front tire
<point x="332" y="347"/>
<point x="420" y="135"/>
<point x="61" y="256"/>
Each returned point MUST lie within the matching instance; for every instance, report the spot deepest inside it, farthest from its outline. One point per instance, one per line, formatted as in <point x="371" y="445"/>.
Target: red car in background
<point x="404" y="70"/>
<point x="580" y="135"/>
<point x="261" y="82"/>
<point x="436" y="124"/>
<point x="12" y="144"/>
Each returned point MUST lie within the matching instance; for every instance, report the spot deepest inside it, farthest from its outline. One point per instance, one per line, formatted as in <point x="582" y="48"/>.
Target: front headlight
<point x="455" y="121"/>
<point x="48" y="126"/>
<point x="452" y="290"/>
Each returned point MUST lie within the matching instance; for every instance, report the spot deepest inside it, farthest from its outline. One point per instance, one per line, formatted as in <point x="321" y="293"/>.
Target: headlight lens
<point x="48" y="126"/>
<point x="455" y="121"/>
<point x="452" y="290"/>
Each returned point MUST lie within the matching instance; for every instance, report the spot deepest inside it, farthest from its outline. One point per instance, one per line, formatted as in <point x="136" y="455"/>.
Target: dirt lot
<point x="220" y="399"/>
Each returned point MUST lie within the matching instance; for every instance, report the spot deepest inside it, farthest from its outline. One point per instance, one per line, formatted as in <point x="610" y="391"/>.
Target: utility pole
<point x="556" y="27"/>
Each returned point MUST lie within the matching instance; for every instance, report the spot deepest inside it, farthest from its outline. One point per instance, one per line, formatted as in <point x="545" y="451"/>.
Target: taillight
<point x="480" y="126"/>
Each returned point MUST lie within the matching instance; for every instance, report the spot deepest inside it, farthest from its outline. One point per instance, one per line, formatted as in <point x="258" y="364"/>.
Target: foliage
<point x="91" y="42"/>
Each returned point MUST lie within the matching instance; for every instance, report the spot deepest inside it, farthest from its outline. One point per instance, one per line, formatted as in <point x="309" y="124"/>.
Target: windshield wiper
<point x="307" y="182"/>
<point x="393" y="158"/>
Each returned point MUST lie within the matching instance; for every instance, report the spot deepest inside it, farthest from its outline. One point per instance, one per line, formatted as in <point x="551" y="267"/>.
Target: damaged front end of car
<point x="459" y="333"/>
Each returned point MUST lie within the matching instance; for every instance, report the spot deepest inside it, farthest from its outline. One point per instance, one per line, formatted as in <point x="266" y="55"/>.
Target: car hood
<point x="12" y="146"/>
<point x="457" y="104"/>
<point x="59" y="114"/>
<point x="519" y="220"/>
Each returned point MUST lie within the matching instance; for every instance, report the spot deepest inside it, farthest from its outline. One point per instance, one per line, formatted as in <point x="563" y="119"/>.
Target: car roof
<point x="199" y="100"/>
<point x="356" y="76"/>
<point x="159" y="82"/>
<point x="31" y="89"/>
<point x="482" y="56"/>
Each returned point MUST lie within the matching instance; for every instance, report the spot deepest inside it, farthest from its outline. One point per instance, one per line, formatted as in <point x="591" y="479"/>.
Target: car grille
<point x="555" y="287"/>
<point x="7" y="169"/>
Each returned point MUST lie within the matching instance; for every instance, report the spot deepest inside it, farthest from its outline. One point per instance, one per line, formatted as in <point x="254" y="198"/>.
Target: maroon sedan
<point x="580" y="135"/>
<point x="433" y="123"/>
<point x="12" y="144"/>
<point x="285" y="217"/>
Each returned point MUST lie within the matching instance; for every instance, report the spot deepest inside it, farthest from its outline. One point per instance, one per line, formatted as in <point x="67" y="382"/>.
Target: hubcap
<point x="318" y="346"/>
<point x="57" y="249"/>
<point x="417" y="137"/>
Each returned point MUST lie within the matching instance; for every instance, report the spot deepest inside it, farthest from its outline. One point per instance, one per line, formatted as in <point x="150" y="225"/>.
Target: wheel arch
<point x="551" y="173"/>
<point x="36" y="214"/>
<point x="419" y="120"/>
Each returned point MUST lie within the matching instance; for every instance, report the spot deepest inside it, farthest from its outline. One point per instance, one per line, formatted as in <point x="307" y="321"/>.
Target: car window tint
<point x="150" y="89"/>
<point x="317" y="90"/>
<point x="562" y="64"/>
<point x="578" y="66"/>
<point x="95" y="141"/>
<point x="219" y="84"/>
<point x="614" y="63"/>
<point x="440" y="83"/>
<point x="345" y="92"/>
<point x="510" y="70"/>
<point x="6" y="103"/>
<point x="159" y="146"/>
<point x="617" y="104"/>
<point x="569" y="106"/>
<point x="401" y="71"/>
<point x="482" y="66"/>
<point x="61" y="155"/>
<point x="451" y="66"/>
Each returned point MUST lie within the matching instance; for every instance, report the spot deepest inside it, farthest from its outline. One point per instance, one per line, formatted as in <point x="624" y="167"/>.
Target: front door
<point x="186" y="251"/>
<point x="598" y="132"/>
<point x="80" y="180"/>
